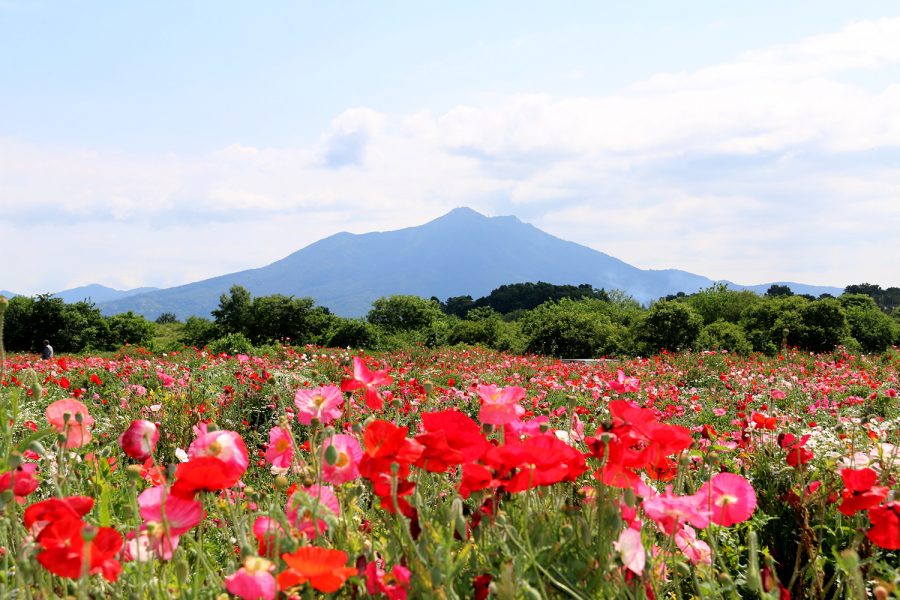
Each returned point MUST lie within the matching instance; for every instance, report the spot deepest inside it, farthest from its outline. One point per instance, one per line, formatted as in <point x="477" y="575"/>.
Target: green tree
<point x="129" y="328"/>
<point x="872" y="328"/>
<point x="720" y="303"/>
<point x="351" y="333"/>
<point x="199" y="332"/>
<point x="404" y="313"/>
<point x="670" y="325"/>
<point x="723" y="335"/>
<point x="233" y="314"/>
<point x="166" y="318"/>
<point x="278" y="317"/>
<point x="777" y="291"/>
<point x="824" y="325"/>
<point x="573" y="329"/>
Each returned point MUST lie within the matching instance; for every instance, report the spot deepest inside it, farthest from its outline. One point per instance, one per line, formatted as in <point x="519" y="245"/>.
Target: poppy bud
<point x="15" y="459"/>
<point x="4" y="304"/>
<point x="281" y="482"/>
<point x="429" y="386"/>
<point x="331" y="455"/>
<point x="133" y="472"/>
<point x="88" y="533"/>
<point x="880" y="592"/>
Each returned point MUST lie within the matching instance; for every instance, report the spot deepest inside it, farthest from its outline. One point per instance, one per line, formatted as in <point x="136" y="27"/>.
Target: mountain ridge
<point x="460" y="253"/>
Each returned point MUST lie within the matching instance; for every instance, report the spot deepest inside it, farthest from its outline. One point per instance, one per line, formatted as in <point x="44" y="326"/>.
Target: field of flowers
<point x="449" y="474"/>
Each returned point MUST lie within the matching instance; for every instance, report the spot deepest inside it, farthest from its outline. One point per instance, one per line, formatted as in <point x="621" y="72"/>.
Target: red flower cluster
<point x="69" y="546"/>
<point x="636" y="440"/>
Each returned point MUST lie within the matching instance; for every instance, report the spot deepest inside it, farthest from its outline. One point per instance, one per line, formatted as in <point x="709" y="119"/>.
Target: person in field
<point x="47" y="351"/>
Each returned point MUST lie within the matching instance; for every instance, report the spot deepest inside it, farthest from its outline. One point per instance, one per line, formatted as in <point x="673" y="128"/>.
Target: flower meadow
<point x="450" y="473"/>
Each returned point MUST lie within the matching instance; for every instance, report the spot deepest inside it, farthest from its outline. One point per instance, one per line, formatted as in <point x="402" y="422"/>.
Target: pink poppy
<point x="729" y="498"/>
<point x="21" y="480"/>
<point x="280" y="452"/>
<point x="631" y="551"/>
<point x="697" y="551"/>
<point x="253" y="581"/>
<point x="268" y="532"/>
<point x="322" y="403"/>
<point x="227" y="446"/>
<point x="500" y="406"/>
<point x="622" y="384"/>
<point x="670" y="511"/>
<point x="393" y="585"/>
<point x="77" y="433"/>
<point x="139" y="440"/>
<point x="369" y="380"/>
<point x="309" y="503"/>
<point x="346" y="466"/>
<point x="166" y="519"/>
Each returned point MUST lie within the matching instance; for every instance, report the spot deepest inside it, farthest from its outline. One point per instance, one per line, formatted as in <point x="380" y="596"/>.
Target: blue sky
<point x="159" y="143"/>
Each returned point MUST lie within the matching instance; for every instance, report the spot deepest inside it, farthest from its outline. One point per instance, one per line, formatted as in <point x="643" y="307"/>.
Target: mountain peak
<point x="462" y="212"/>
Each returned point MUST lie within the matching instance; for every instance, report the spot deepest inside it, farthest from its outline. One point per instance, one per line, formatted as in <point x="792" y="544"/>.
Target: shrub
<point x="723" y="335"/>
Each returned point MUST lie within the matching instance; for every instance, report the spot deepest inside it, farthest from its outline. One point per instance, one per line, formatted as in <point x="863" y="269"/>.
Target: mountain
<point x="7" y="293"/>
<point x="98" y="294"/>
<point x="460" y="253"/>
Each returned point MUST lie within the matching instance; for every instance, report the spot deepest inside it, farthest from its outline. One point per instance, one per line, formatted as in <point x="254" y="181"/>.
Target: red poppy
<point x="323" y="568"/>
<point x="462" y="432"/>
<point x="71" y="548"/>
<point x="203" y="473"/>
<point x="860" y="491"/>
<point x="885" y="531"/>
<point x="54" y="509"/>
<point x="21" y="480"/>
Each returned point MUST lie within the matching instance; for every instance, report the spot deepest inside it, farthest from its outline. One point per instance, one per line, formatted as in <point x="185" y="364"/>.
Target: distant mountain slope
<point x="463" y="252"/>
<point x="8" y="294"/>
<point x="97" y="293"/>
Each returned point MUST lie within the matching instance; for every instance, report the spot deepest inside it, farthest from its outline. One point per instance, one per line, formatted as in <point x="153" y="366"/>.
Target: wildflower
<point x="670" y="511"/>
<point x="363" y="378"/>
<point x="322" y="403"/>
<point x="139" y="440"/>
<point x="323" y="568"/>
<point x="280" y="452"/>
<point x="253" y="581"/>
<point x="226" y="446"/>
<point x="308" y="505"/>
<point x="167" y="518"/>
<point x="622" y="384"/>
<point x="70" y="417"/>
<point x="697" y="551"/>
<point x="860" y="491"/>
<point x="500" y="406"/>
<point x="346" y="465"/>
<point x="729" y="498"/>
<point x="885" y="530"/>
<point x="70" y="554"/>
<point x="21" y="480"/>
<point x="394" y="585"/>
<point x="631" y="550"/>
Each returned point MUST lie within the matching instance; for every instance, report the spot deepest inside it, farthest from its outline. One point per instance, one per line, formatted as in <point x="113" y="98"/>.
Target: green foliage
<point x="670" y="325"/>
<point x="723" y="335"/>
<point x="129" y="328"/>
<point x="397" y="314"/>
<point x="232" y="343"/>
<point x="522" y="297"/>
<point x="199" y="332"/>
<point x="824" y="325"/>
<point x="874" y="330"/>
<point x="574" y="329"/>
<point x="166" y="318"/>
<point x="718" y="303"/>
<point x="351" y="333"/>
<point x="778" y="291"/>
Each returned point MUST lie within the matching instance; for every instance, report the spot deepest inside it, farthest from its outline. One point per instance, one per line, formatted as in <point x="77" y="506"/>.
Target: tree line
<point x="568" y="321"/>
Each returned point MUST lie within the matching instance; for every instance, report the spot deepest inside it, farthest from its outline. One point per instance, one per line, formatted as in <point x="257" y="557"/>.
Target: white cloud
<point x="752" y="170"/>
